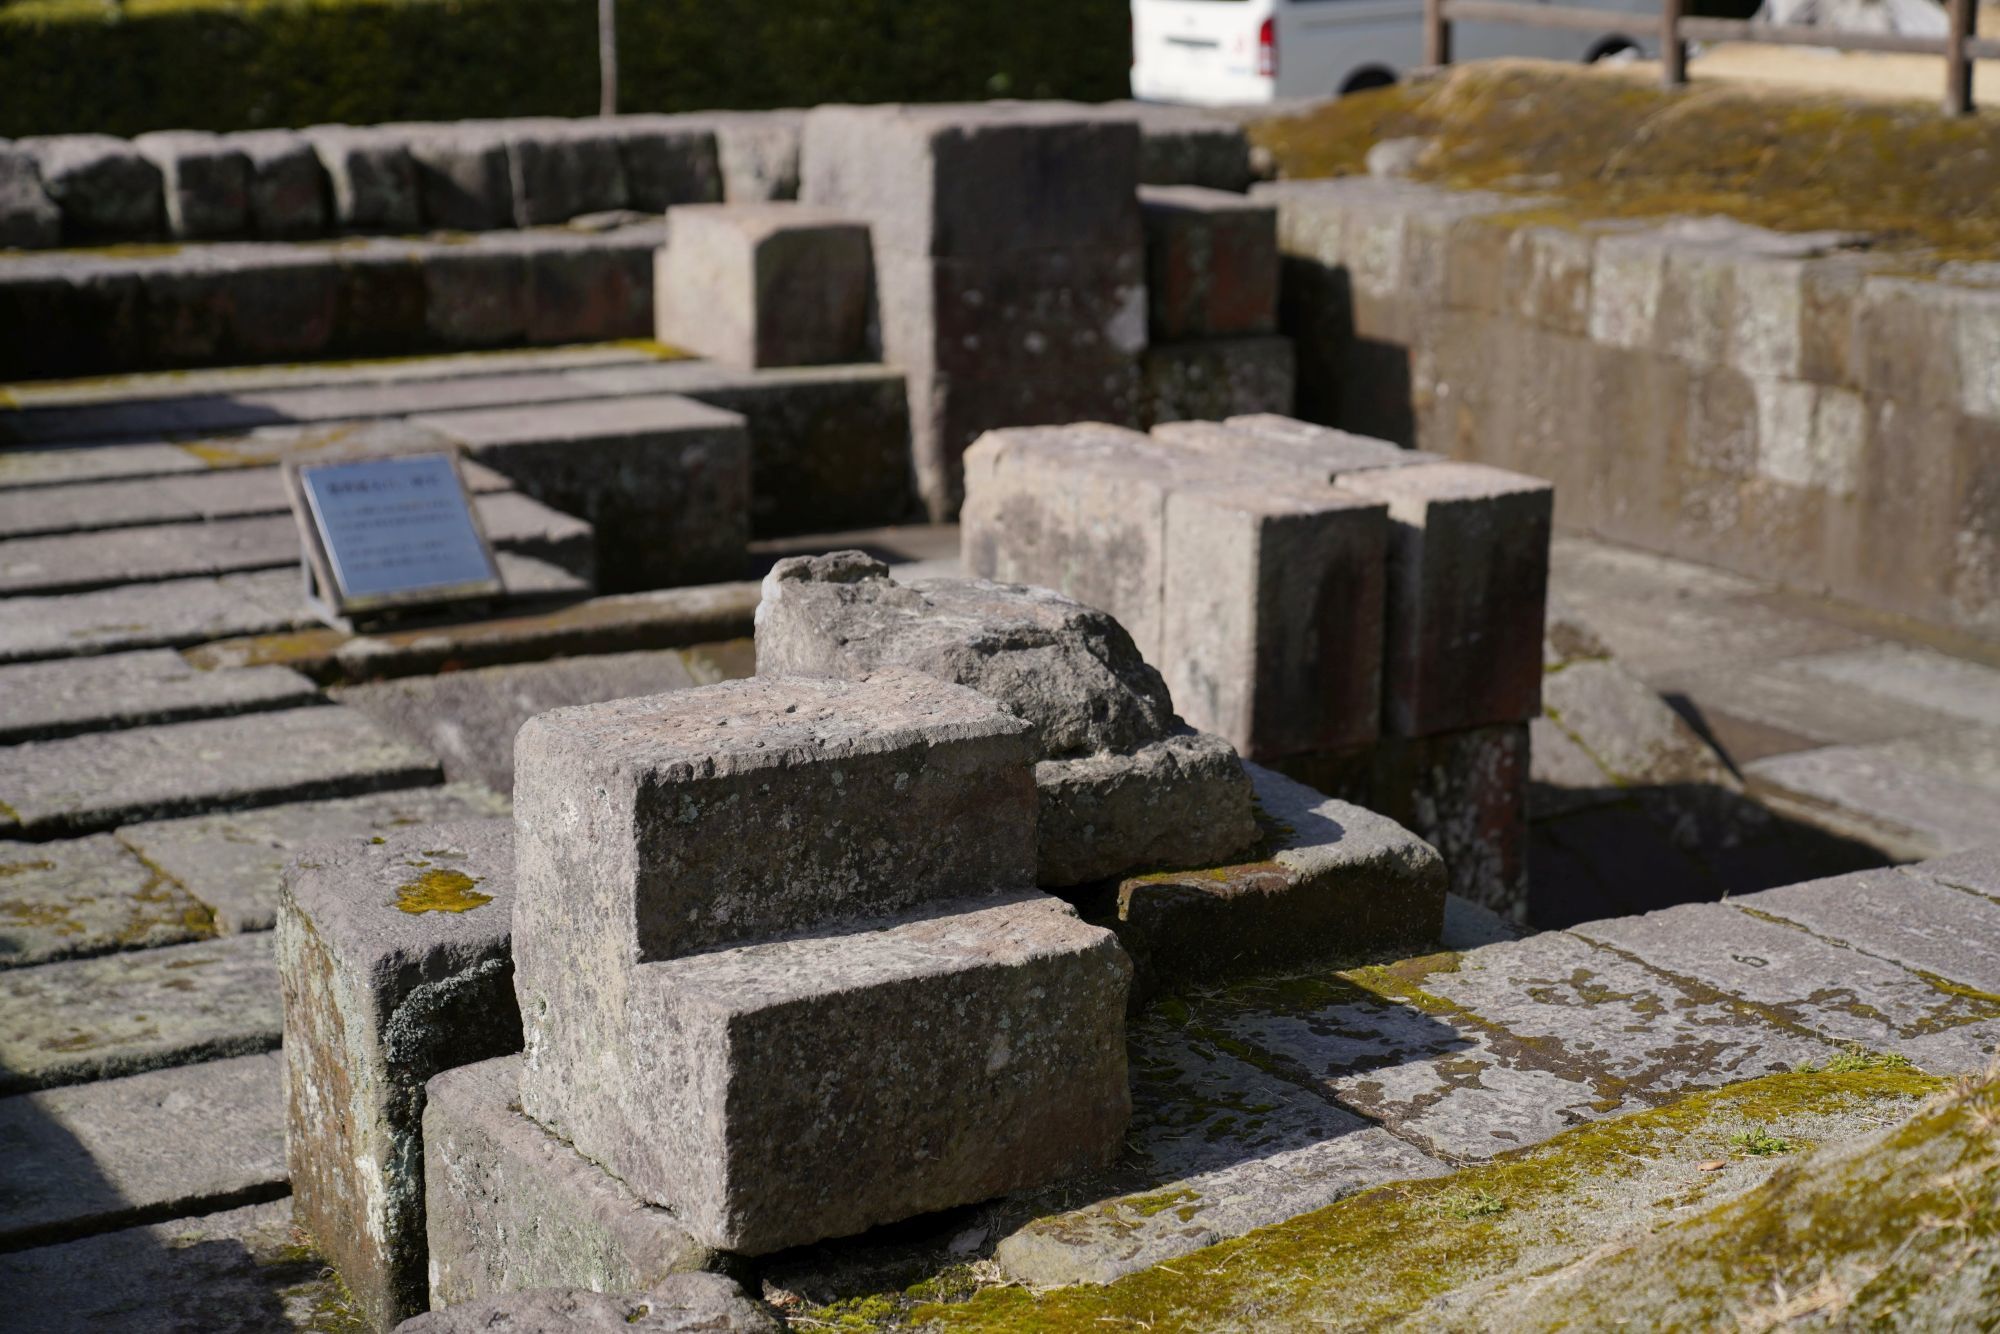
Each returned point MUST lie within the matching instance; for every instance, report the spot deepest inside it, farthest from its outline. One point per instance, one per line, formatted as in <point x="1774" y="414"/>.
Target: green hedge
<point x="69" y="65"/>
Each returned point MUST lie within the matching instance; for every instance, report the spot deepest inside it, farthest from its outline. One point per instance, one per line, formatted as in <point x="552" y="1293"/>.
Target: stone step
<point x="78" y="897"/>
<point x="150" y="1147"/>
<point x="66" y="697"/>
<point x="79" y="785"/>
<point x="177" y="613"/>
<point x="86" y="312"/>
<point x="127" y="503"/>
<point x="86" y="562"/>
<point x="1923" y="918"/>
<point x="240" y="1271"/>
<point x="233" y="863"/>
<point x="121" y="1014"/>
<point x="1916" y="796"/>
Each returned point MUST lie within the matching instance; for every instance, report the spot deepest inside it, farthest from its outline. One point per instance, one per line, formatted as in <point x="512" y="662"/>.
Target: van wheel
<point x="1362" y="80"/>
<point x="1608" y="47"/>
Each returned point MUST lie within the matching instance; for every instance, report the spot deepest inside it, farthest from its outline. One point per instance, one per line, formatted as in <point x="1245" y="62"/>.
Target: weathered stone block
<point x="758" y="152"/>
<point x="508" y="1207"/>
<point x="373" y="181"/>
<point x="1067" y="669"/>
<point x="977" y="181"/>
<point x="1211" y="263"/>
<point x="205" y="182"/>
<point x="1213" y="378"/>
<point x="895" y="792"/>
<point x="632" y="468"/>
<point x="764" y="285"/>
<point x="234" y="861"/>
<point x="1054" y="314"/>
<point x="395" y="964"/>
<point x="288" y="190"/>
<point x="948" y="413"/>
<point x="951" y="1086"/>
<point x="105" y="187"/>
<point x="83" y="896"/>
<point x="1331" y="879"/>
<point x="281" y="305"/>
<point x="1319" y="453"/>
<point x="1179" y="801"/>
<point x="563" y="169"/>
<point x="1081" y="509"/>
<point x="1272" y="624"/>
<point x="29" y="219"/>
<point x="671" y="160"/>
<point x="1468" y="580"/>
<point x="63" y="698"/>
<point x="682" y="1304"/>
<point x="461" y="175"/>
<point x="589" y="289"/>
<point x="475" y="297"/>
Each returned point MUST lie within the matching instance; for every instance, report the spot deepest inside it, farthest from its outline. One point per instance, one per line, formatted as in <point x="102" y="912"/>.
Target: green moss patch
<point x="1603" y="143"/>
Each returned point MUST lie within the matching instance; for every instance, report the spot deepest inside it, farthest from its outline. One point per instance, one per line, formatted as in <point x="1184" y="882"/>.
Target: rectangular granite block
<point x="754" y="285"/>
<point x="1211" y="263"/>
<point x="78" y="785"/>
<point x="70" y="898"/>
<point x="395" y="964"/>
<point x="68" y="696"/>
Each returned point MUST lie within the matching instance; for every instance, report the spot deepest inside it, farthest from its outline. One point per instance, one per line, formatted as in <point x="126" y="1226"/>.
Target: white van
<point x="1228" y="52"/>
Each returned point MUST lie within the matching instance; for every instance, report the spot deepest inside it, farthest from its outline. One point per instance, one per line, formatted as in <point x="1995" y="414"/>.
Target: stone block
<point x="1317" y="453"/>
<point x="379" y="299"/>
<point x="949" y="413"/>
<point x="754" y="285"/>
<point x="1211" y="263"/>
<point x="952" y="1087"/>
<point x="78" y="785"/>
<point x="461" y="175"/>
<point x="1058" y="314"/>
<point x="288" y="190"/>
<point x="977" y="181"/>
<point x="563" y="169"/>
<point x="1330" y="879"/>
<point x="63" y="698"/>
<point x="475" y="297"/>
<point x="509" y="1207"/>
<point x="1272" y="624"/>
<point x="29" y="219"/>
<point x="674" y="160"/>
<point x="1185" y="146"/>
<point x="119" y="1014"/>
<point x="106" y="188"/>
<point x="77" y="897"/>
<point x="234" y="861"/>
<point x="88" y="1159"/>
<point x="1547" y="277"/>
<point x="1213" y="378"/>
<point x="901" y="790"/>
<point x="683" y="1304"/>
<point x="395" y="965"/>
<point x="372" y="180"/>
<point x="1468" y="580"/>
<point x="632" y="468"/>
<point x="588" y="289"/>
<point x="205" y="182"/>
<point x="758" y="153"/>
<point x="1177" y="802"/>
<point x="170" y="613"/>
<point x="1080" y="509"/>
<point x="281" y="306"/>
<point x="1070" y="671"/>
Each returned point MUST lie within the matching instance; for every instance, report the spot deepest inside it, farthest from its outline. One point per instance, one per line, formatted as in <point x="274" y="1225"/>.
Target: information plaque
<point x="387" y="534"/>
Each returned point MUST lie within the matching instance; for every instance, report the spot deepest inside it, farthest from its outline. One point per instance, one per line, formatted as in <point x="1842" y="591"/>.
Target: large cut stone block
<point x="1211" y="263"/>
<point x="393" y="956"/>
<point x="1468" y="580"/>
<point x="950" y="1086"/>
<point x="1064" y="313"/>
<point x="973" y="181"/>
<point x="288" y="191"/>
<point x="683" y="1304"/>
<point x="66" y="697"/>
<point x="654" y="827"/>
<point x="508" y="1207"/>
<point x="1080" y="509"/>
<point x="563" y="169"/>
<point x="82" y="896"/>
<point x="635" y="468"/>
<point x="1176" y="802"/>
<point x="1273" y="614"/>
<point x="205" y="180"/>
<point x="755" y="285"/>
<point x="29" y="219"/>
<point x="461" y="175"/>
<point x="1212" y="378"/>
<point x="106" y="188"/>
<point x="1333" y="879"/>
<point x="373" y="181"/>
<point x="1314" y="453"/>
<point x="948" y="413"/>
<point x="673" y="160"/>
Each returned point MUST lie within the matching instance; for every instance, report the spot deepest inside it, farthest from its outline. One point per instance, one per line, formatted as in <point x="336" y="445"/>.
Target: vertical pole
<point x="607" y="57"/>
<point x="1957" y="66"/>
<point x="1673" y="51"/>
<point x="1437" y="34"/>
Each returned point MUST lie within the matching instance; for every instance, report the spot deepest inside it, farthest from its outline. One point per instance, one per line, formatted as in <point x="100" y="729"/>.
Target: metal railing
<point x="1960" y="46"/>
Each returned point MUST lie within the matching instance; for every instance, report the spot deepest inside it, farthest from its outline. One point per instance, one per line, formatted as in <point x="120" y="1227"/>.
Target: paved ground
<point x="149" y="809"/>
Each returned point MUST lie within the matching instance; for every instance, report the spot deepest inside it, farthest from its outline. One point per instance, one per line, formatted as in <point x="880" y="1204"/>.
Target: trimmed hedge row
<point x="76" y="65"/>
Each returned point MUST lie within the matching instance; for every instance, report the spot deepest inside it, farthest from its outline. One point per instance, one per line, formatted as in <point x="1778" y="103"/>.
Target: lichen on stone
<point x="441" y="889"/>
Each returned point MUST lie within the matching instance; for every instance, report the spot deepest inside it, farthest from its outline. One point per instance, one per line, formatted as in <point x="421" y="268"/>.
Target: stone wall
<point x="1790" y="406"/>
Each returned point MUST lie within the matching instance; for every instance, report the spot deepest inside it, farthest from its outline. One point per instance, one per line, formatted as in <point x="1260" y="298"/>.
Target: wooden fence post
<point x="1437" y="34"/>
<point x="1673" y="51"/>
<point x="1964" y="18"/>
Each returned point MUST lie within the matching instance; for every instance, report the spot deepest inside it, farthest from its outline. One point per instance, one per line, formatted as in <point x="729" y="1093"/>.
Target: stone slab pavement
<point x="55" y="699"/>
<point x="83" y="896"/>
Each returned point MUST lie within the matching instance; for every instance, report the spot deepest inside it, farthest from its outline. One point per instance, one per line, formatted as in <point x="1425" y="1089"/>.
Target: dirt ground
<point x="1862" y="74"/>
